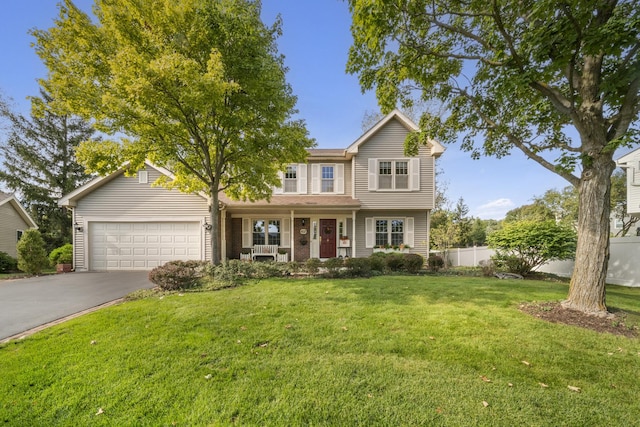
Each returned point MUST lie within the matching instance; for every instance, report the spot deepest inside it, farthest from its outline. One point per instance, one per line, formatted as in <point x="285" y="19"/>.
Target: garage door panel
<point x="142" y="246"/>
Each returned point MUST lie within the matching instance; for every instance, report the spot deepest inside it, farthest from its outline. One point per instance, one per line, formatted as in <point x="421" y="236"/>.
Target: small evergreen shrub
<point x="178" y="275"/>
<point x="377" y="262"/>
<point x="511" y="264"/>
<point x="8" y="263"/>
<point x="412" y="262"/>
<point x="435" y="262"/>
<point x="394" y="262"/>
<point x="32" y="256"/>
<point x="61" y="255"/>
<point x="232" y="273"/>
<point x="358" y="267"/>
<point x="333" y="266"/>
<point x="312" y="266"/>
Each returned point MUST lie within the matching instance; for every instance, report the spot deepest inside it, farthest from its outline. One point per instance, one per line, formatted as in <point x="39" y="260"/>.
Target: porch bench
<point x="264" y="250"/>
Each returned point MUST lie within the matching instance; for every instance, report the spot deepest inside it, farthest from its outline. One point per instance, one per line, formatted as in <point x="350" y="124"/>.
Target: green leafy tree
<point x="535" y="211"/>
<point x="197" y="86"/>
<point x="526" y="245"/>
<point x="32" y="255"/>
<point x="40" y="164"/>
<point x="517" y="74"/>
<point x="562" y="203"/>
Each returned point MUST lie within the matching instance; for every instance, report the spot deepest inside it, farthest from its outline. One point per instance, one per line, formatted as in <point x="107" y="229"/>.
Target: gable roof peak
<point x="436" y="147"/>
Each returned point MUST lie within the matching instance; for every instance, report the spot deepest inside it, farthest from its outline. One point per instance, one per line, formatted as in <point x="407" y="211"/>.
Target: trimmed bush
<point x="412" y="262"/>
<point x="232" y="273"/>
<point x="394" y="262"/>
<point x="178" y="275"/>
<point x="333" y="266"/>
<point x="358" y="267"/>
<point x="61" y="255"/>
<point x="377" y="262"/>
<point x="312" y="266"/>
<point x="8" y="264"/>
<point x="435" y="262"/>
<point x="32" y="257"/>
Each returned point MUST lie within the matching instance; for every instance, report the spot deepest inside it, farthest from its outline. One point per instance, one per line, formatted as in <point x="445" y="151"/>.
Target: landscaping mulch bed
<point x="555" y="313"/>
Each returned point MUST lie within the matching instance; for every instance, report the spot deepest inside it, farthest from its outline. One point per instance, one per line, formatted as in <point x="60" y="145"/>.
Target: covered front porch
<point x="322" y="228"/>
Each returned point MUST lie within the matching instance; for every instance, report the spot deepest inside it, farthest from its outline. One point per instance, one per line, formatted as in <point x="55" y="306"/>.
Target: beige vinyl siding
<point x="420" y="237"/>
<point x="10" y="223"/>
<point x="124" y="199"/>
<point x="388" y="143"/>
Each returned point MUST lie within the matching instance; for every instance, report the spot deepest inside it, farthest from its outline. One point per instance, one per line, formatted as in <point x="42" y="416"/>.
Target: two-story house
<point x="341" y="202"/>
<point x="631" y="163"/>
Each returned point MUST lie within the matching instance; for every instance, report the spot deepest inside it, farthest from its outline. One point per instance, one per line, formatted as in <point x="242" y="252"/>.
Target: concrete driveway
<point x="32" y="302"/>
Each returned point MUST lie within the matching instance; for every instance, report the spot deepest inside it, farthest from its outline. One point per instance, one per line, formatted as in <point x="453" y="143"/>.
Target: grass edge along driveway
<point x="384" y="351"/>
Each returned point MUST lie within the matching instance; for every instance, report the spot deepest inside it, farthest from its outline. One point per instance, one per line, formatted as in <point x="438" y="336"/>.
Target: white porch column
<point x="223" y="234"/>
<point x="353" y="232"/>
<point x="292" y="227"/>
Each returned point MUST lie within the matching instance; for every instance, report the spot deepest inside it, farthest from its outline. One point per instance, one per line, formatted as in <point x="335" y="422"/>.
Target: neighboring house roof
<point x="329" y="154"/>
<point x="11" y="200"/>
<point x="633" y="155"/>
<point x="72" y="198"/>
<point x="436" y="148"/>
<point x="303" y="201"/>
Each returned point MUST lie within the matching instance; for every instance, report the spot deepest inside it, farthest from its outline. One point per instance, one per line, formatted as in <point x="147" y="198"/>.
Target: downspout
<point x="353" y="232"/>
<point x="292" y="228"/>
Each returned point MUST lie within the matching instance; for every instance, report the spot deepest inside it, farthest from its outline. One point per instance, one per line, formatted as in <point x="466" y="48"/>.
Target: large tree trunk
<point x="587" y="288"/>
<point x="215" y="227"/>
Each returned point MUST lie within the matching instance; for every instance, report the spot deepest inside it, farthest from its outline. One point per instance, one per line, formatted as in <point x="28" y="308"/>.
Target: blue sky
<point x="315" y="42"/>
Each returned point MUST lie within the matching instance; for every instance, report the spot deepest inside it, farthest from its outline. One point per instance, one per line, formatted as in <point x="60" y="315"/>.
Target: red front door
<point x="327" y="238"/>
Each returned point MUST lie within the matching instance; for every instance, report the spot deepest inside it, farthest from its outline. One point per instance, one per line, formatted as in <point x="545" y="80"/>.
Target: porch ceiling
<point x="309" y="203"/>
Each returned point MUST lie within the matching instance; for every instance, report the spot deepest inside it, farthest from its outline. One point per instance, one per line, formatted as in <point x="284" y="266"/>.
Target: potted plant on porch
<point x="62" y="258"/>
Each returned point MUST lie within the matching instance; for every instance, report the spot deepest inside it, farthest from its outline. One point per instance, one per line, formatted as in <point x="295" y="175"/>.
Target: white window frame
<point x="408" y="230"/>
<point x="338" y="178"/>
<point x="294" y="180"/>
<point x="413" y="174"/>
<point x="285" y="230"/>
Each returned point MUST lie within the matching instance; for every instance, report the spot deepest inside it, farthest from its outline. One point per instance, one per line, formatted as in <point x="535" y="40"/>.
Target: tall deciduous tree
<point x="518" y="74"/>
<point x="39" y="164"/>
<point x="197" y="86"/>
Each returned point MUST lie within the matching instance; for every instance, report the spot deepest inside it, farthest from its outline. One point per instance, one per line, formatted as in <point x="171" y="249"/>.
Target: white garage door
<point x="142" y="245"/>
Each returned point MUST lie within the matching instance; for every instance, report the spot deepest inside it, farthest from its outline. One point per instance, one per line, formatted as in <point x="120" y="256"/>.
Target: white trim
<point x="373" y="174"/>
<point x="246" y="233"/>
<point x="223" y="234"/>
<point x="315" y="180"/>
<point x="414" y="174"/>
<point x="143" y="177"/>
<point x="338" y="178"/>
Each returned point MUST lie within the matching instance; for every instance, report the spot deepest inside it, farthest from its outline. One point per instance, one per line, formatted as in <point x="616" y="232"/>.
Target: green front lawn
<point x="383" y="351"/>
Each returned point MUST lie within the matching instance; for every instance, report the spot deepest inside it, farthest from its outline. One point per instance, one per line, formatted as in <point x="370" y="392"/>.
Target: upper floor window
<point x="393" y="175"/>
<point x="18" y="235"/>
<point x="327" y="179"/>
<point x="387" y="174"/>
<point x="291" y="179"/>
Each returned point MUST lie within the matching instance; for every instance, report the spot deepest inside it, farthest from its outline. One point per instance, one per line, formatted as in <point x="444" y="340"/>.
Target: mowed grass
<point x="382" y="351"/>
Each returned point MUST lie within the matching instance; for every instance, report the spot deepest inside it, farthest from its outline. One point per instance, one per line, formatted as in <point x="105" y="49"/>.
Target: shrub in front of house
<point x="376" y="260"/>
<point x="8" y="264"/>
<point x="394" y="262"/>
<point x="32" y="256"/>
<point x="312" y="266"/>
<point x="412" y="263"/>
<point x="178" y="275"/>
<point x="358" y="267"/>
<point x="435" y="262"/>
<point x="333" y="267"/>
<point x="61" y="255"/>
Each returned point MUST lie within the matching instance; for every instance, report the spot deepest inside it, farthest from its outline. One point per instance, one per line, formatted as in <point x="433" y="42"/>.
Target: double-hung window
<point x="266" y="232"/>
<point x="291" y="179"/>
<point x="393" y="175"/>
<point x="389" y="232"/>
<point x="327" y="179"/>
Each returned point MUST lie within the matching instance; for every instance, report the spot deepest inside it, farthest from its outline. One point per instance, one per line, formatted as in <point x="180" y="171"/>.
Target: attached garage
<point x="142" y="245"/>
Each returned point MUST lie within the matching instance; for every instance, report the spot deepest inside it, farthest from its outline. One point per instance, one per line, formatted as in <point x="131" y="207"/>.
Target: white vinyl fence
<point x="624" y="262"/>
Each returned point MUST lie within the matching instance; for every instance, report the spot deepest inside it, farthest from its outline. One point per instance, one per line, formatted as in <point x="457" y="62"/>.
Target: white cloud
<point x="495" y="209"/>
